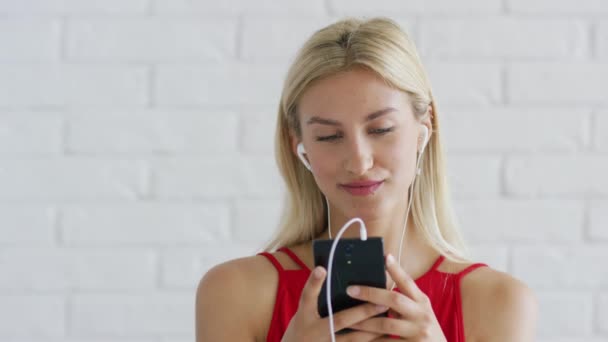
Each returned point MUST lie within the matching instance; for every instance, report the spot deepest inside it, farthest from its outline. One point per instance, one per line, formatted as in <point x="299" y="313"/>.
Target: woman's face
<point x="357" y="128"/>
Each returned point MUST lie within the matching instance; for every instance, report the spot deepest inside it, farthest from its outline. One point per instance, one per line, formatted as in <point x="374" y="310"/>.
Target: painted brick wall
<point x="136" y="151"/>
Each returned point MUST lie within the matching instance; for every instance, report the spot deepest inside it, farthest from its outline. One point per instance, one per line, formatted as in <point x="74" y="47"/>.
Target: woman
<point x="360" y="104"/>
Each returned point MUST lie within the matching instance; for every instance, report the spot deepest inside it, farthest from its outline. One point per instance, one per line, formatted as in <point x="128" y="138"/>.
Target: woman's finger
<point x="362" y="336"/>
<point x="404" y="282"/>
<point x="385" y="326"/>
<point x="399" y="303"/>
<point x="346" y="318"/>
<point x="311" y="290"/>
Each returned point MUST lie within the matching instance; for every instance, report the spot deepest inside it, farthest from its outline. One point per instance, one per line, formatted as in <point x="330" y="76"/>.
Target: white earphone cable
<point x="409" y="204"/>
<point x="330" y="311"/>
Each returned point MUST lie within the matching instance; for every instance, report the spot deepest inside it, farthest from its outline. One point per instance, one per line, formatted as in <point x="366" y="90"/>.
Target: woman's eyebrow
<point x="330" y="122"/>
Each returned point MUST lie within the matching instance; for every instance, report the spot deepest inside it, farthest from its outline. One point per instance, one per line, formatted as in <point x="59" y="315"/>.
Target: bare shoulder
<point x="239" y="293"/>
<point x="498" y="307"/>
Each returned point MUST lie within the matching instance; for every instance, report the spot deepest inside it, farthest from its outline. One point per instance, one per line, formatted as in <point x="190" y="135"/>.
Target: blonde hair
<point x="380" y="45"/>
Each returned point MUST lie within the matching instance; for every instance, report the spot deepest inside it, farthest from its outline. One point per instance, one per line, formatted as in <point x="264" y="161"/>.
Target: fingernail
<point x="318" y="273"/>
<point x="390" y="259"/>
<point x="353" y="290"/>
<point x="381" y="308"/>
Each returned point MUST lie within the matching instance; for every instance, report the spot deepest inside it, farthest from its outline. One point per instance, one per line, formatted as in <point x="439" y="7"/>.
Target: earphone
<point x="301" y="153"/>
<point x="425" y="138"/>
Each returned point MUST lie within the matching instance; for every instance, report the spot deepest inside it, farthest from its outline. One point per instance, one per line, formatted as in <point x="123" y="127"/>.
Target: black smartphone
<point x="356" y="262"/>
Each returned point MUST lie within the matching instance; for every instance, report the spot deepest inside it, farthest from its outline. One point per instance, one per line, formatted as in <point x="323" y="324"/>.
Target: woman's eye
<point x="381" y="130"/>
<point x="378" y="131"/>
<point x="328" y="138"/>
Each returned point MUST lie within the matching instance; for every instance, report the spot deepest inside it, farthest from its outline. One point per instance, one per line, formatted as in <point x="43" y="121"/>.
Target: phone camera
<point x="348" y="250"/>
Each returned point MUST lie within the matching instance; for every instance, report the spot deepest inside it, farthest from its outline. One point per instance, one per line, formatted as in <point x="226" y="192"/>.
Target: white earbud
<point x="425" y="138"/>
<point x="301" y="153"/>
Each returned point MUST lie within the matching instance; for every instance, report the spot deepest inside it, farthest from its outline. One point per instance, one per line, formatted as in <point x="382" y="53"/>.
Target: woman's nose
<point x="359" y="158"/>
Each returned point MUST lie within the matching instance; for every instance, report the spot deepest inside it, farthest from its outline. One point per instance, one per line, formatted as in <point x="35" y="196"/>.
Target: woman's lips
<point x="362" y="188"/>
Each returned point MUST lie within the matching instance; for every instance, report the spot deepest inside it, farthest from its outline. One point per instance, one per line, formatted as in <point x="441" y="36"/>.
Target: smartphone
<point x="356" y="262"/>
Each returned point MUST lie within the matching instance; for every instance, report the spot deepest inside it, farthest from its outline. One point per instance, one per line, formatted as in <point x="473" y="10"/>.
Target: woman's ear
<point x="293" y="142"/>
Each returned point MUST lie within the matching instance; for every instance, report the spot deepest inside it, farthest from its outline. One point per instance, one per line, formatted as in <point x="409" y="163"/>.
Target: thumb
<point x="312" y="288"/>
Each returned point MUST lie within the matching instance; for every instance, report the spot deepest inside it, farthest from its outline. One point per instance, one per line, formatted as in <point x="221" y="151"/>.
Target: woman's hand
<point x="307" y="325"/>
<point x="413" y="317"/>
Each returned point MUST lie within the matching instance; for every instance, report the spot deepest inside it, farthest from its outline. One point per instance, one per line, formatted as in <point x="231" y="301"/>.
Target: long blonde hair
<point x="380" y="45"/>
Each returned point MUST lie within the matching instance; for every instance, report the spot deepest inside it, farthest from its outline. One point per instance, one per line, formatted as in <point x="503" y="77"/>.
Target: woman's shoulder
<point x="237" y="291"/>
<point x="495" y="303"/>
<point x="251" y="268"/>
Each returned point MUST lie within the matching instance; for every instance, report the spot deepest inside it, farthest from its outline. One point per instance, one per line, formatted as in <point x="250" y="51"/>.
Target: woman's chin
<point x="367" y="214"/>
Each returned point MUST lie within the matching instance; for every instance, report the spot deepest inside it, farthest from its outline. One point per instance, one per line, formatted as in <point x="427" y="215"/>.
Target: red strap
<point x="437" y="262"/>
<point x="470" y="269"/>
<point x="294" y="257"/>
<point x="273" y="260"/>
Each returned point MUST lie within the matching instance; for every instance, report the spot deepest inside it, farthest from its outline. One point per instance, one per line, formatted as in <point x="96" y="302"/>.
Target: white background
<point x="136" y="151"/>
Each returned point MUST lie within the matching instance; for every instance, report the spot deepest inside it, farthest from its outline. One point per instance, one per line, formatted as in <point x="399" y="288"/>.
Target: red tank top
<point x="443" y="290"/>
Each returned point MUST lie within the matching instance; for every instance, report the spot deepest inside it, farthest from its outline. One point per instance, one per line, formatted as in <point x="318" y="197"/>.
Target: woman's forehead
<point x="354" y="94"/>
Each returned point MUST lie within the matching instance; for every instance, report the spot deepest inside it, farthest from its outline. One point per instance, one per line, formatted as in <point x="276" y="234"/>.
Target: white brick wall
<point x="136" y="151"/>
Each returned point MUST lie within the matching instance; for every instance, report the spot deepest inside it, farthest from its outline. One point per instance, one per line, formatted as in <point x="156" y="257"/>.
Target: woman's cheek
<point x="324" y="177"/>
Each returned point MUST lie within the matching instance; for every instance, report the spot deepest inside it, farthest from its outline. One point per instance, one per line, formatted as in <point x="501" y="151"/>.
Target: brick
<point x="598" y="220"/>
<point x="131" y="315"/>
<point x="557" y="175"/>
<point x="215" y="178"/>
<point x="183" y="268"/>
<point x="388" y="7"/>
<point x="145" y="224"/>
<point x="238" y="84"/>
<point x="472" y="176"/>
<point x="154" y="133"/>
<point x="476" y="130"/>
<point x="71" y="179"/>
<point x="236" y="7"/>
<point x="562" y="267"/>
<point x="256" y="220"/>
<point x="600" y="125"/>
<point x="552" y="83"/>
<point x="521" y="220"/>
<point x="559" y="6"/>
<point x="37" y="85"/>
<point x="54" y="269"/>
<point x="29" y="40"/>
<point x="151" y="40"/>
<point x="602" y="313"/>
<point x="278" y="41"/>
<point x="564" y="314"/>
<point x="26" y="225"/>
<point x="504" y="37"/>
<point x="601" y="40"/>
<point x="40" y="316"/>
<point x="257" y="135"/>
<point x="465" y="83"/>
<point x="72" y="7"/>
<point x="21" y="135"/>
